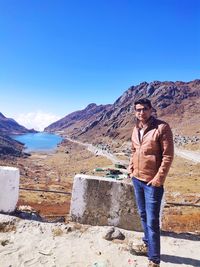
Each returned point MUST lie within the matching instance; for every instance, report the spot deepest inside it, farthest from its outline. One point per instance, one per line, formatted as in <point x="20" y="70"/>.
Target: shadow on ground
<point x="180" y="260"/>
<point x="177" y="259"/>
<point x="186" y="236"/>
<point x="33" y="216"/>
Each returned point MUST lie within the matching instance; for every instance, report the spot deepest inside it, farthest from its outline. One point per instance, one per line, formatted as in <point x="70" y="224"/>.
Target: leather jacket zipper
<point x="139" y="158"/>
<point x="139" y="161"/>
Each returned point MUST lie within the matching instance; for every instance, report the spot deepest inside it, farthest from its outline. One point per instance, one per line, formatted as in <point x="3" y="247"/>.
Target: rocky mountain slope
<point x="176" y="102"/>
<point x="80" y="122"/>
<point x="10" y="126"/>
<point x="8" y="146"/>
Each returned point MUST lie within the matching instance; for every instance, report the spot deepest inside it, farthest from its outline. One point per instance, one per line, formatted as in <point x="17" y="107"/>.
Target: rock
<point x="113" y="233"/>
<point x="118" y="235"/>
<point x="108" y="235"/>
<point x="150" y="90"/>
<point x="4" y="242"/>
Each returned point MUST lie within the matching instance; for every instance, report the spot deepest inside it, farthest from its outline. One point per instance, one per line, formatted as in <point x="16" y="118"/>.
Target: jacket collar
<point x="148" y="124"/>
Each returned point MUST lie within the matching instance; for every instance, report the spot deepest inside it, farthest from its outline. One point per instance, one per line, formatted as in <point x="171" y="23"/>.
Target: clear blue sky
<point x="58" y="56"/>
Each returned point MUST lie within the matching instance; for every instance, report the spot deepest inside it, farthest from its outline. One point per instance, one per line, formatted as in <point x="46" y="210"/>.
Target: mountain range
<point x="175" y="102"/>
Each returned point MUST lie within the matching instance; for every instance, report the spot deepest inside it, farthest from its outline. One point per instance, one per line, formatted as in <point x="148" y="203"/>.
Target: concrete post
<point x="9" y="188"/>
<point x="104" y="201"/>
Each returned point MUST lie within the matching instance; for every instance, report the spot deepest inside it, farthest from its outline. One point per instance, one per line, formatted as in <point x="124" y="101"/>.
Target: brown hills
<point x="176" y="102"/>
<point x="8" y="146"/>
<point x="10" y="126"/>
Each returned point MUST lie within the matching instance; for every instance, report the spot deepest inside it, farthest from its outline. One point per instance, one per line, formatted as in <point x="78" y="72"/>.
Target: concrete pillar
<point x="104" y="201"/>
<point x="9" y="188"/>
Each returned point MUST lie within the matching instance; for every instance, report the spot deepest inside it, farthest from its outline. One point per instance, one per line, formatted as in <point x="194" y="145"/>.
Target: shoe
<point x="139" y="250"/>
<point x="153" y="264"/>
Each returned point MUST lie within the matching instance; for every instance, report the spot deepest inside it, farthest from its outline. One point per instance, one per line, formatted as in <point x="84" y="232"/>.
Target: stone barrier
<point x="104" y="201"/>
<point x="9" y="188"/>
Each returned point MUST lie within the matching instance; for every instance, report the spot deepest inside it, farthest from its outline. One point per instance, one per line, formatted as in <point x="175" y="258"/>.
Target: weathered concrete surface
<point x="104" y="201"/>
<point x="9" y="188"/>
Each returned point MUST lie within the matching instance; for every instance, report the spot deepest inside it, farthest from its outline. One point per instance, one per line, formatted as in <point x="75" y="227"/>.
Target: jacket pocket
<point x="148" y="162"/>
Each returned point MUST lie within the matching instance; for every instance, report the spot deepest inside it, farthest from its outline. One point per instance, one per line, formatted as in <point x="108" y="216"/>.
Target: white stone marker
<point x="9" y="188"/>
<point x="104" y="201"/>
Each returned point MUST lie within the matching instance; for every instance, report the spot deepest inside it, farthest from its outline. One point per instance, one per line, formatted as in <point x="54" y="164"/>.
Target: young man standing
<point x="152" y="155"/>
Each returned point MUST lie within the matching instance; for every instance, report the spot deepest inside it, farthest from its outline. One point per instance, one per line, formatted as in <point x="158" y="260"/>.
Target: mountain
<point x="175" y="102"/>
<point x="10" y="126"/>
<point x="79" y="122"/>
<point x="8" y="146"/>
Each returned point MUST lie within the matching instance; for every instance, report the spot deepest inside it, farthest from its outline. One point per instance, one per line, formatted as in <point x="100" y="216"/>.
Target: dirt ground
<point x="55" y="172"/>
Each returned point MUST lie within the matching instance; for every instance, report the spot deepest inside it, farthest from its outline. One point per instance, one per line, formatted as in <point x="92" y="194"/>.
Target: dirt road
<point x="187" y="154"/>
<point x="98" y="151"/>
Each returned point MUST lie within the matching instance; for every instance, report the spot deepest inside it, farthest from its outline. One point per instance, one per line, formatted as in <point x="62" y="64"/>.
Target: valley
<point x="55" y="172"/>
<point x="101" y="137"/>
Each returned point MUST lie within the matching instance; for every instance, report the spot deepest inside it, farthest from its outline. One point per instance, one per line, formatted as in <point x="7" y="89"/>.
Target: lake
<point x="38" y="141"/>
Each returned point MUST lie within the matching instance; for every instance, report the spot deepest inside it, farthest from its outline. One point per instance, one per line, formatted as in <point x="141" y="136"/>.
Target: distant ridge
<point x="176" y="102"/>
<point x="81" y="119"/>
<point x="8" y="146"/>
<point x="10" y="126"/>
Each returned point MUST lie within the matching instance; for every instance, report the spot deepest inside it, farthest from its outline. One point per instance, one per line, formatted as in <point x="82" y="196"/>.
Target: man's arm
<point x="131" y="167"/>
<point x="167" y="148"/>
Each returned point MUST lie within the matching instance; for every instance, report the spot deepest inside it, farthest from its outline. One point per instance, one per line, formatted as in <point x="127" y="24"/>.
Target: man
<point x="152" y="155"/>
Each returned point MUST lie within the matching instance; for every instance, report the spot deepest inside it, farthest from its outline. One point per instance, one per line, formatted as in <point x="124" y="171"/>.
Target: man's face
<point x="142" y="112"/>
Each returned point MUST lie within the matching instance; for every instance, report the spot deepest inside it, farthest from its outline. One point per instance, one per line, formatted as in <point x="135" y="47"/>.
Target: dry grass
<point x="184" y="177"/>
<point x="192" y="146"/>
<point x="57" y="232"/>
<point x="7" y="227"/>
<point x="77" y="160"/>
<point x="182" y="220"/>
<point x="182" y="186"/>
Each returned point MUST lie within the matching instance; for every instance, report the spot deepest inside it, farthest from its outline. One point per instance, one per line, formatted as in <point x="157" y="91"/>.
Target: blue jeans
<point x="148" y="200"/>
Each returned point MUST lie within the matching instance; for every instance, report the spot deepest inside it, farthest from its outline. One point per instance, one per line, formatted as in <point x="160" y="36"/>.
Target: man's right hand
<point x="128" y="178"/>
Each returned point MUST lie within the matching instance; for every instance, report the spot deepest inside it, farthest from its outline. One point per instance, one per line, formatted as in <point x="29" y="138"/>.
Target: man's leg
<point x="153" y="197"/>
<point x="140" y="200"/>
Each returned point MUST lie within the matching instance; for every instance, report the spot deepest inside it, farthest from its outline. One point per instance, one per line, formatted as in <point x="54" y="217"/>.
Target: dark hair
<point x="143" y="101"/>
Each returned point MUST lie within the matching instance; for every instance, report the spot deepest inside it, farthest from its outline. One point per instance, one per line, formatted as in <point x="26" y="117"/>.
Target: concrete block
<point x="9" y="188"/>
<point x="104" y="201"/>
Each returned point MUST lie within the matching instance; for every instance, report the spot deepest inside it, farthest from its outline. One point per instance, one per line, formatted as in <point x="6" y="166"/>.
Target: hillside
<point x="176" y="102"/>
<point x="80" y="122"/>
<point x="9" y="126"/>
<point x="8" y="146"/>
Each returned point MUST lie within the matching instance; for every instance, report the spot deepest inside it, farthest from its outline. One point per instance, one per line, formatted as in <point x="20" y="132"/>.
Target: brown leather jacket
<point x="152" y="156"/>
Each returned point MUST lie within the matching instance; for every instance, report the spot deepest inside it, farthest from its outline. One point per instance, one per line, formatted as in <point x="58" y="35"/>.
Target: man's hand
<point x="154" y="182"/>
<point x="128" y="178"/>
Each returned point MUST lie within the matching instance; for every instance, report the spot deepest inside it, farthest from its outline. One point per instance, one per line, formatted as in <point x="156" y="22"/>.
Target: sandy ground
<point x="26" y="243"/>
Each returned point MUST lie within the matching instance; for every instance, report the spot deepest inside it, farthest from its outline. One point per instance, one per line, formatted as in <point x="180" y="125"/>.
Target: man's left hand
<point x="154" y="182"/>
